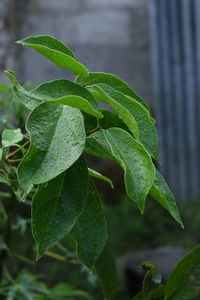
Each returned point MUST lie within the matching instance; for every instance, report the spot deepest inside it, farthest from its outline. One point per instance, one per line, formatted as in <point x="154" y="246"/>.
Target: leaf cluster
<point x="44" y="163"/>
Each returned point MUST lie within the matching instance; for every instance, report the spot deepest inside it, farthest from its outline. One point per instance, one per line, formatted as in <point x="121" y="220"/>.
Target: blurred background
<point x="154" y="46"/>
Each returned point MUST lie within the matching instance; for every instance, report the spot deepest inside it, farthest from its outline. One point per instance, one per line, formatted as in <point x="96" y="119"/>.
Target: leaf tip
<point x="10" y="75"/>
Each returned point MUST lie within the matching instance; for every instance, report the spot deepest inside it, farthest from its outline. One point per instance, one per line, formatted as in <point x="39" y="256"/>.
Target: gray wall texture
<point x="106" y="35"/>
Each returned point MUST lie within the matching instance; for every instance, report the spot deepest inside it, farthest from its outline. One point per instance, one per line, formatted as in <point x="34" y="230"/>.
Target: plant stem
<point x="17" y="150"/>
<point x="14" y="160"/>
<point x="94" y="130"/>
<point x="60" y="257"/>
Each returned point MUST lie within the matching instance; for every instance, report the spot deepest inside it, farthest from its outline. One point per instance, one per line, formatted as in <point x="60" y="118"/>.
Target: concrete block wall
<point x="106" y="35"/>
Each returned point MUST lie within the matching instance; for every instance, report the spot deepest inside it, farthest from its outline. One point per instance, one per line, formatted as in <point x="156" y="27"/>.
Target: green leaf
<point x="152" y="278"/>
<point x="105" y="270"/>
<point x="60" y="91"/>
<point x="10" y="137"/>
<point x="23" y="96"/>
<point x="100" y="176"/>
<point x="184" y="282"/>
<point x="147" y="133"/>
<point x="156" y="293"/>
<point x="3" y="87"/>
<point x="66" y="92"/>
<point x="161" y="193"/>
<point x="56" y="51"/>
<point x="57" y="141"/>
<point x="113" y="81"/>
<point x="108" y="95"/>
<point x="111" y="120"/>
<point x="90" y="231"/>
<point x="146" y="124"/>
<point x="96" y="148"/>
<point x="139" y="170"/>
<point x="57" y="205"/>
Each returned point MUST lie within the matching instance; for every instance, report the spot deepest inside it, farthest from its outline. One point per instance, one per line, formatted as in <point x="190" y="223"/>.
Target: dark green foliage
<point x="44" y="164"/>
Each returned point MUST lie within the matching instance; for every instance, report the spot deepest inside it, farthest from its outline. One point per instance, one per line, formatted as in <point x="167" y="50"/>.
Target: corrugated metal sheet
<point x="175" y="28"/>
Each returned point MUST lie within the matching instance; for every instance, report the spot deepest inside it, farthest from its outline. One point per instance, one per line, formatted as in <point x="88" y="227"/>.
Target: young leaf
<point x="161" y="193"/>
<point x="147" y="133"/>
<point x="11" y="137"/>
<point x="105" y="270"/>
<point x="139" y="170"/>
<point x="100" y="176"/>
<point x="90" y="231"/>
<point x="113" y="81"/>
<point x="183" y="283"/>
<point x="57" y="205"/>
<point x="57" y="141"/>
<point x="108" y="95"/>
<point x="152" y="278"/>
<point x="57" y="52"/>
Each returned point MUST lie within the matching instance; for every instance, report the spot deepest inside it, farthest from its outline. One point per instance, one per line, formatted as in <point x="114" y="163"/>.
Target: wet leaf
<point x="108" y="95"/>
<point x="146" y="130"/>
<point x="138" y="168"/>
<point x="113" y="81"/>
<point x="56" y="51"/>
<point x="57" y="141"/>
<point x="56" y="92"/>
<point x="161" y="193"/>
<point x="10" y="137"/>
<point x="90" y="231"/>
<point x="57" y="205"/>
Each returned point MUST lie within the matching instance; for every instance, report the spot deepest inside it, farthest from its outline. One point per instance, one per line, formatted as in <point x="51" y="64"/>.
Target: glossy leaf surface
<point x="98" y="175"/>
<point x="57" y="141"/>
<point x="146" y="132"/>
<point x="90" y="231"/>
<point x="113" y="81"/>
<point x="60" y="91"/>
<point x="161" y="193"/>
<point x="56" y="51"/>
<point x="57" y="205"/>
<point x="138" y="168"/>
<point x="108" y="95"/>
